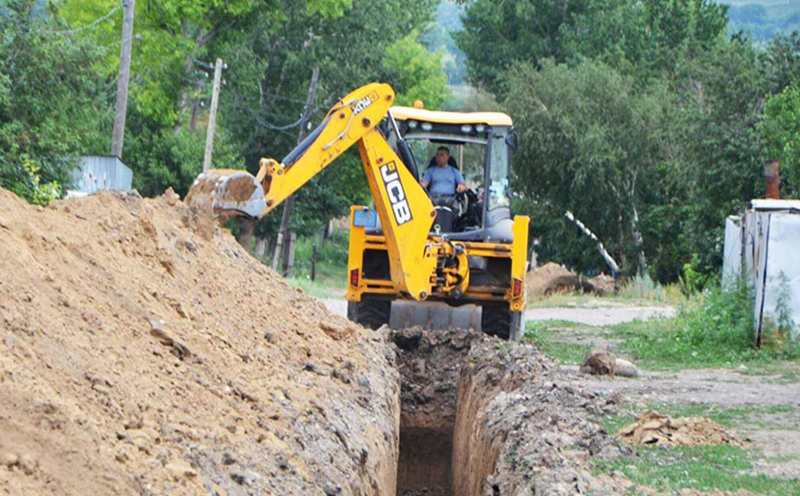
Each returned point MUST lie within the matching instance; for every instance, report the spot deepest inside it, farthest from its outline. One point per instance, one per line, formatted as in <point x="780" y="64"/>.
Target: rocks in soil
<point x="604" y="363"/>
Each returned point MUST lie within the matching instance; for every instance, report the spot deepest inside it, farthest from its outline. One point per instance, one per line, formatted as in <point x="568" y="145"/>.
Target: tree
<point x="414" y="73"/>
<point x="589" y="142"/>
<point x="781" y="129"/>
<point x="52" y="105"/>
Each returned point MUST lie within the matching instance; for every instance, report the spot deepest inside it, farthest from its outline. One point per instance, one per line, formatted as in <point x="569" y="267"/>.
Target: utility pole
<point x="212" y="115"/>
<point x="124" y="78"/>
<point x="283" y="232"/>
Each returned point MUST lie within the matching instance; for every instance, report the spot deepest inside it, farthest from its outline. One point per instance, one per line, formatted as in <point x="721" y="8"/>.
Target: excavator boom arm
<point x="405" y="211"/>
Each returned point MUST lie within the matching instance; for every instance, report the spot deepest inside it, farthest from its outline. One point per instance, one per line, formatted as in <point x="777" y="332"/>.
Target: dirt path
<point x="610" y="313"/>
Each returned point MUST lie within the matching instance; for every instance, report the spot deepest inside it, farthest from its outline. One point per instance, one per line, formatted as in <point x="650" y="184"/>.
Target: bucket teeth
<point x="229" y="192"/>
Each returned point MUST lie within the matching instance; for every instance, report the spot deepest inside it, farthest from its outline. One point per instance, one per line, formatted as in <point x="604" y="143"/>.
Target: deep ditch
<point x="480" y="416"/>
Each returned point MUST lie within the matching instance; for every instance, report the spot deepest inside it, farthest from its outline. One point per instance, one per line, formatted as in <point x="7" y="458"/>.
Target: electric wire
<point x="92" y="24"/>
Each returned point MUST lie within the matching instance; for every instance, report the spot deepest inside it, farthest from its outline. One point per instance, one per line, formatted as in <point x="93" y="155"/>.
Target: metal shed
<point x="101" y="173"/>
<point x="763" y="247"/>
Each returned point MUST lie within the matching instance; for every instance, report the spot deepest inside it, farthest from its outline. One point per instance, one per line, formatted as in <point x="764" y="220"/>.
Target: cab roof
<point x="441" y="117"/>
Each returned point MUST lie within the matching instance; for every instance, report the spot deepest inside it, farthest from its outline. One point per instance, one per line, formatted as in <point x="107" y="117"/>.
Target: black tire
<point x="369" y="312"/>
<point x="501" y="321"/>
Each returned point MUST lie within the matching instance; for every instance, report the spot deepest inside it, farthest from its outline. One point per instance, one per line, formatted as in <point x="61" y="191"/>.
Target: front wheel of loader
<point x="369" y="312"/>
<point x="499" y="320"/>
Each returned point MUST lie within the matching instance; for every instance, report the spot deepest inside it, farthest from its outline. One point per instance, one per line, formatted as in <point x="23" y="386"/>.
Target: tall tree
<point x="53" y="106"/>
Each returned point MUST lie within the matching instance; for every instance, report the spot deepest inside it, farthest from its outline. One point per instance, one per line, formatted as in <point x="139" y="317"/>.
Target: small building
<point x="761" y="247"/>
<point x="100" y="173"/>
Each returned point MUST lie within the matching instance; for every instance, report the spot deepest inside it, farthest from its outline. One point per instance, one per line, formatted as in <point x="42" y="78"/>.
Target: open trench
<point x="443" y="451"/>
<point x="479" y="416"/>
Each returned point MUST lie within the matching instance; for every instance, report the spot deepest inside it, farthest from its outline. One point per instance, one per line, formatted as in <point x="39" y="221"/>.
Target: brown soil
<point x="554" y="278"/>
<point x="654" y="428"/>
<point x="481" y="416"/>
<point x="142" y="351"/>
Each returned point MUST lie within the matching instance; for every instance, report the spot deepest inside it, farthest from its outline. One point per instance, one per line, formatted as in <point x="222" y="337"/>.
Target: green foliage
<point x="781" y="129"/>
<point x="721" y="467"/>
<point x="716" y="330"/>
<point x="652" y="35"/>
<point x="694" y="278"/>
<point x="415" y="73"/>
<point x="52" y="105"/>
<point x="589" y="137"/>
<point x="30" y="186"/>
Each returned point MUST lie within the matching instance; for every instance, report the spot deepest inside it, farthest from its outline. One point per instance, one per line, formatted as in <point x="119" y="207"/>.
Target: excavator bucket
<point x="229" y="192"/>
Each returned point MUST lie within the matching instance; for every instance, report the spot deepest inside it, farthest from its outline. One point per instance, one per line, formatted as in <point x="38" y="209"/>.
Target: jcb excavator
<point x="458" y="263"/>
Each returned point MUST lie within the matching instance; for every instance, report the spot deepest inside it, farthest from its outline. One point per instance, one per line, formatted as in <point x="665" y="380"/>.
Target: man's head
<point x="442" y="156"/>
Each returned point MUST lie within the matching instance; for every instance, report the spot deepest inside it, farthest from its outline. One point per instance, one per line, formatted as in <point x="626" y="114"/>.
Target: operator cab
<point x="479" y="145"/>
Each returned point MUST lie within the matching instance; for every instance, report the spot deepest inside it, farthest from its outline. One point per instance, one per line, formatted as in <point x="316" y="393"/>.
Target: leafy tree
<point x="414" y="73"/>
<point x="497" y="35"/>
<point x="781" y="128"/>
<point x="52" y="105"/>
<point x="589" y="142"/>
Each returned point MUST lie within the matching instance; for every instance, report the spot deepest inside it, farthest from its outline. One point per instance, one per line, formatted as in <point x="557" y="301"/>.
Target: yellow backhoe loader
<point x="414" y="259"/>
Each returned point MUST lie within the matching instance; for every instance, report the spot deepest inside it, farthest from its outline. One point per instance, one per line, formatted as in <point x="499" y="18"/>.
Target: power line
<point x="93" y="24"/>
<point x="260" y="120"/>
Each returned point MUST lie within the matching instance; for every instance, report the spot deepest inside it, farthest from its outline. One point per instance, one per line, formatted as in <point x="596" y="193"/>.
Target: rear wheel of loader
<point x="499" y="320"/>
<point x="369" y="312"/>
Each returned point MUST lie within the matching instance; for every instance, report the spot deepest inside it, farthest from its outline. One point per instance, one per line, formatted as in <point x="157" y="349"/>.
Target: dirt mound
<point x="554" y="278"/>
<point x="652" y="427"/>
<point x="142" y="351"/>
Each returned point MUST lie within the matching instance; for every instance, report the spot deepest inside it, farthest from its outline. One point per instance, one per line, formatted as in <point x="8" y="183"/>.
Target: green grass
<point x="697" y="467"/>
<point x="540" y="334"/>
<point x="713" y="331"/>
<point x="331" y="270"/>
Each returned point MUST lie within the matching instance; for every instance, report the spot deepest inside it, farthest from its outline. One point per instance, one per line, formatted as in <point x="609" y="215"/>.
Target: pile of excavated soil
<point x="519" y="431"/>
<point x="143" y="351"/>
<point x="554" y="278"/>
<point x="654" y="428"/>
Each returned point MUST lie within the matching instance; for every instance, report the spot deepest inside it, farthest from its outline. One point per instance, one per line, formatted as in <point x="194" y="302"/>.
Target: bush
<point x="718" y="328"/>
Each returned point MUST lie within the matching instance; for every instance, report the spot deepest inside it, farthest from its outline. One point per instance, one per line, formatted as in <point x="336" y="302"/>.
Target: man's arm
<point x="461" y="185"/>
<point x="426" y="179"/>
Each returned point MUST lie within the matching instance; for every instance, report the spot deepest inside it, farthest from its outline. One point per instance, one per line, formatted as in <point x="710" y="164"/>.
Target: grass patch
<point x="697" y="467"/>
<point x="540" y="334"/>
<point x="331" y="269"/>
<point x="715" y="330"/>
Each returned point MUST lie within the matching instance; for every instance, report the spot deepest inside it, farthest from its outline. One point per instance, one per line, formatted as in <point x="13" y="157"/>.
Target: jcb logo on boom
<point x="363" y="104"/>
<point x="397" y="195"/>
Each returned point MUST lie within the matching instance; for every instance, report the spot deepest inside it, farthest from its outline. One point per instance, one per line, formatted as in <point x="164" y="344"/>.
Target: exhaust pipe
<point x="772" y="180"/>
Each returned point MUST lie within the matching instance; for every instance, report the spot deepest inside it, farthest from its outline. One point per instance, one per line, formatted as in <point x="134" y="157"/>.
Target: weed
<point x="703" y="468"/>
<point x="716" y="330"/>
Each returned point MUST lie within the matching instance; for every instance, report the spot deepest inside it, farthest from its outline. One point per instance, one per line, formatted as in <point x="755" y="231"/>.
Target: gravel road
<point x="607" y="314"/>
